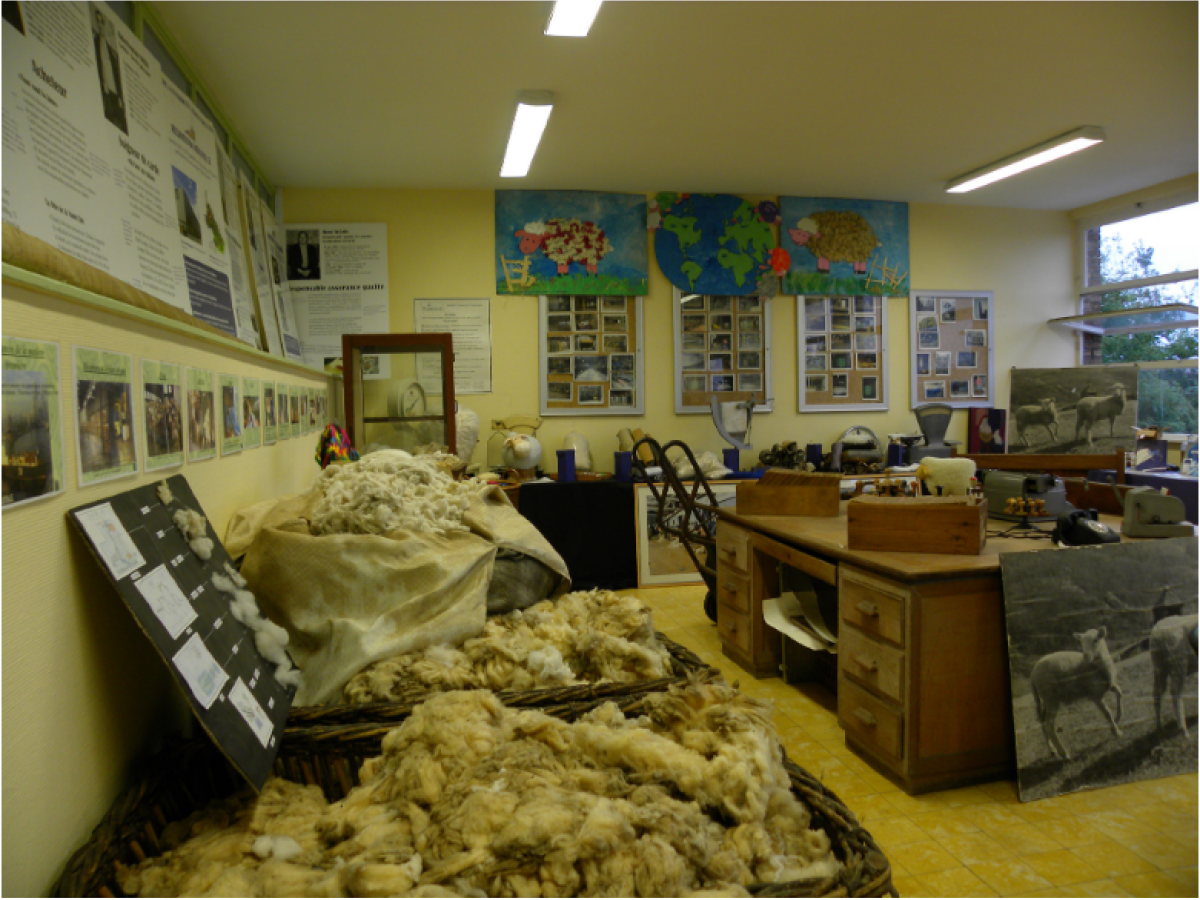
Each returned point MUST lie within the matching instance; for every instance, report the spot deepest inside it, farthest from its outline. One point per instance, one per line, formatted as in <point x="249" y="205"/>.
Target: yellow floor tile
<point x="1024" y="839"/>
<point x="1061" y="867"/>
<point x="896" y="832"/>
<point x="960" y="882"/>
<point x="1071" y="831"/>
<point x="1121" y="825"/>
<point x="1105" y="887"/>
<point x="959" y="797"/>
<point x="910" y="805"/>
<point x="922" y="857"/>
<point x="907" y="886"/>
<point x="1010" y="877"/>
<point x="986" y="816"/>
<point x="1162" y="854"/>
<point x="1003" y="791"/>
<point x="1111" y="859"/>
<point x="971" y="849"/>
<point x="1150" y="884"/>
<point x="946" y="823"/>
<point x="1187" y="877"/>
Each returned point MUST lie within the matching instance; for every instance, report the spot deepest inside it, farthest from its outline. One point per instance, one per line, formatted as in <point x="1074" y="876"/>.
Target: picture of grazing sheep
<point x="1173" y="653"/>
<point x="1044" y="414"/>
<point x="1071" y="675"/>
<point x="566" y="241"/>
<point x="1090" y="411"/>
<point x="833" y="236"/>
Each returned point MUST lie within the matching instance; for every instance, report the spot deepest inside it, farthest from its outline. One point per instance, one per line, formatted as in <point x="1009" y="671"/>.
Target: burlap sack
<point x="350" y="600"/>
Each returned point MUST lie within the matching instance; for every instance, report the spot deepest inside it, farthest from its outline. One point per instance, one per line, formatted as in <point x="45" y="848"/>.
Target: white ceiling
<point x="883" y="101"/>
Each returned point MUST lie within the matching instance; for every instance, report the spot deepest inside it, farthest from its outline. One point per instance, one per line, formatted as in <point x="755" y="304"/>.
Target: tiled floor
<point x="1136" y="840"/>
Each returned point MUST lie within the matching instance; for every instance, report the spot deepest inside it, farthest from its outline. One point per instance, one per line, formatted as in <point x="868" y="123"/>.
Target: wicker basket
<point x="193" y="774"/>
<point x="685" y="665"/>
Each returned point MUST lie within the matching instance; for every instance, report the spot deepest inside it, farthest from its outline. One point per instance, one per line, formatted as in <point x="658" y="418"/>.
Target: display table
<point x="591" y="525"/>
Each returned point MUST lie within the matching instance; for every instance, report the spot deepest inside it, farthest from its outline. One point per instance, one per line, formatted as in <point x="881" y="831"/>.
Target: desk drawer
<point x="874" y="606"/>
<point x="869" y="720"/>
<point x="733" y="547"/>
<point x="733" y="589"/>
<point x="734" y="627"/>
<point x="872" y="664"/>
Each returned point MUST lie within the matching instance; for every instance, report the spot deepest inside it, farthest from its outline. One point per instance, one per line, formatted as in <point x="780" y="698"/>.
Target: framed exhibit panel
<point x="951" y="348"/>
<point x="841" y="344"/>
<point x="722" y="350"/>
<point x="590" y="355"/>
<point x="661" y="558"/>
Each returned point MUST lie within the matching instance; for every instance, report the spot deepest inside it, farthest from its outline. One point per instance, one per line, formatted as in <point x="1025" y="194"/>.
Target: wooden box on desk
<point x="783" y="492"/>
<point x="918" y="524"/>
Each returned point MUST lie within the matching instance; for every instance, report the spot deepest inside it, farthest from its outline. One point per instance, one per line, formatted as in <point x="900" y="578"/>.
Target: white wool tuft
<point x="466" y="432"/>
<point x="202" y="547"/>
<point x="234" y="574"/>
<point x="548" y="664"/>
<point x="270" y="639"/>
<point x="391" y="489"/>
<point x="223" y="584"/>
<point x="289" y="676"/>
<point x="711" y="467"/>
<point x="190" y="522"/>
<point x="272" y="846"/>
<point x="164" y="493"/>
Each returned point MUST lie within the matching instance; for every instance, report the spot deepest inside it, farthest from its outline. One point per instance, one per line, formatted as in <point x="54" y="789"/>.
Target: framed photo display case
<point x="952" y="348"/>
<point x="661" y="558"/>
<point x="842" y="343"/>
<point x="722" y="350"/>
<point x="590" y="355"/>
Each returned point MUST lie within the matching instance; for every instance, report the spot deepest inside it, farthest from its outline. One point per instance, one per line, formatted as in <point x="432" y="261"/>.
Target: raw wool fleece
<point x="269" y="638"/>
<point x="193" y="526"/>
<point x="471" y="798"/>
<point x="585" y="636"/>
<point x="391" y="489"/>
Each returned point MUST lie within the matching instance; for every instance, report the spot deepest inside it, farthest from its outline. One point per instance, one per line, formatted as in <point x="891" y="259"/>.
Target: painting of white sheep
<point x="1173" y="652"/>
<point x="1044" y="413"/>
<point x="1069" y="675"/>
<point x="1092" y="410"/>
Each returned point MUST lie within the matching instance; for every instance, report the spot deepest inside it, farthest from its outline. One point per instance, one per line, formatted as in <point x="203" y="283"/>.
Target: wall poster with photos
<point x="842" y="344"/>
<point x="952" y="348"/>
<point x="590" y="355"/>
<point x="722" y="350"/>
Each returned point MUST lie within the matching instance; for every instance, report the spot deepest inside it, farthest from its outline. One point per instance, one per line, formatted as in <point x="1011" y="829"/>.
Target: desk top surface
<point x="827" y="536"/>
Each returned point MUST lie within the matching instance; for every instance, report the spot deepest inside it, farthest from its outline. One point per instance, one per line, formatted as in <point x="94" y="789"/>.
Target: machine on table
<point x="933" y="419"/>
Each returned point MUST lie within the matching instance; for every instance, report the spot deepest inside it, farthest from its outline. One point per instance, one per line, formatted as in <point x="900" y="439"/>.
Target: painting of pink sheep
<point x="566" y="241"/>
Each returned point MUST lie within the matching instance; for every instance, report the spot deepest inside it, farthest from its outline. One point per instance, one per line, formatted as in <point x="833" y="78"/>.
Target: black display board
<point x="170" y="591"/>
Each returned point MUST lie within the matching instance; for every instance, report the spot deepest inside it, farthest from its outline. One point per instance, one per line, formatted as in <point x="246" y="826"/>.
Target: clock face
<point x="410" y="399"/>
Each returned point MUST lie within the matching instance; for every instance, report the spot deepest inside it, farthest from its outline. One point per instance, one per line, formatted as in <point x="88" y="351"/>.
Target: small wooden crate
<point x="955" y="525"/>
<point x="783" y="492"/>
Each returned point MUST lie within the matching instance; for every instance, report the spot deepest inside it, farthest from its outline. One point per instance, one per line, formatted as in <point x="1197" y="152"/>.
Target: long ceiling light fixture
<point x="1063" y="145"/>
<point x="572" y="18"/>
<point x="533" y="111"/>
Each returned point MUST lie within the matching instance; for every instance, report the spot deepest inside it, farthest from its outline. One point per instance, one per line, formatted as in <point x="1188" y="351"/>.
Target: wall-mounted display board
<point x="34" y="462"/>
<point x="840" y="246"/>
<point x="571" y="242"/>
<point x="591" y="359"/>
<point x="952" y="353"/>
<point x="722" y="350"/>
<point x="842" y="346"/>
<point x="232" y="689"/>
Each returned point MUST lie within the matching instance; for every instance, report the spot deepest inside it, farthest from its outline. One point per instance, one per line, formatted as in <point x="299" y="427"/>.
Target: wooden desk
<point x="923" y="685"/>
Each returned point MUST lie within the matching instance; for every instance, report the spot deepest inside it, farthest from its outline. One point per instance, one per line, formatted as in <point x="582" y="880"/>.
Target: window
<point x="1141" y="257"/>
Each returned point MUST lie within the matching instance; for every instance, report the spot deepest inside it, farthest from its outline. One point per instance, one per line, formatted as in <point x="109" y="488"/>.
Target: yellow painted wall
<point x="440" y="244"/>
<point x="85" y="694"/>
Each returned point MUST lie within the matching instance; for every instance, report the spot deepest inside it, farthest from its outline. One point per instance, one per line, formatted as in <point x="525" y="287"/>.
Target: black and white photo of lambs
<point x="1087" y="409"/>
<point x="471" y="798"/>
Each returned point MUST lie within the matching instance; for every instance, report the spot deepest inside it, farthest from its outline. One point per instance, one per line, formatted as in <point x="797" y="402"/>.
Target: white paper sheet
<point x="779" y="612"/>
<point x="166" y="600"/>
<point x="111" y="540"/>
<point x="201" y="672"/>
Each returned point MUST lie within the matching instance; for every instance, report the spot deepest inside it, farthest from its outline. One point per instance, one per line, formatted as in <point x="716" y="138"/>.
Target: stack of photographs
<point x="591" y="352"/>
<point x="843" y="350"/>
<point x="721" y="343"/>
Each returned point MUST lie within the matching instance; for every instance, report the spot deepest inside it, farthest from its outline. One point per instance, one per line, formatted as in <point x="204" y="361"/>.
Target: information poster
<point x="251" y="413"/>
<point x="204" y="235"/>
<point x="286" y="313"/>
<point x="239" y="278"/>
<point x="24" y="207"/>
<point x="270" y="422"/>
<point x="338" y="278"/>
<point x="259" y="272"/>
<point x="294" y="394"/>
<point x="201" y="410"/>
<point x="162" y="408"/>
<point x="229" y="387"/>
<point x="105" y="435"/>
<point x="469" y="322"/>
<point x="34" y="465"/>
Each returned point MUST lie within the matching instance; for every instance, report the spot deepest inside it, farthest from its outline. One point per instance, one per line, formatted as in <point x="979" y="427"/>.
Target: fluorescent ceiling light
<point x="533" y="110"/>
<point x="572" y="18"/>
<point x="1063" y="145"/>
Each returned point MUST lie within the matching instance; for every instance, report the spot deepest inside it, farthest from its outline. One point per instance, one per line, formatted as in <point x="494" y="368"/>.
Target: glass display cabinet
<point x="399" y="390"/>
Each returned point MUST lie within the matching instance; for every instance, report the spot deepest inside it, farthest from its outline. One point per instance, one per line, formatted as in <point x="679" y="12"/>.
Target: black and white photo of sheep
<point x="1089" y="409"/>
<point x="1102" y="661"/>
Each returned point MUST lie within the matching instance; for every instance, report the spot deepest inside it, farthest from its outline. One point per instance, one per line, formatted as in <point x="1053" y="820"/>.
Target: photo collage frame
<point x="722" y="350"/>
<point x="952" y="347"/>
<point x="590" y="355"/>
<point x="842" y="347"/>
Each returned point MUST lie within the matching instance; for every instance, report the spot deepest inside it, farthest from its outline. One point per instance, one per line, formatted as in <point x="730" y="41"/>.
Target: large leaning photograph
<point x="1090" y="409"/>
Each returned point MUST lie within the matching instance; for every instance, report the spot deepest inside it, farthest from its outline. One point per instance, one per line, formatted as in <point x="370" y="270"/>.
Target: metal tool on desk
<point x="1000" y="486"/>
<point x="1149" y="513"/>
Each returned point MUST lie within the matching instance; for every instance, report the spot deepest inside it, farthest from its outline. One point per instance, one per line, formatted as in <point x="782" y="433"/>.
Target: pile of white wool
<point x="471" y="798"/>
<point x="585" y="636"/>
<point x="391" y="489"/>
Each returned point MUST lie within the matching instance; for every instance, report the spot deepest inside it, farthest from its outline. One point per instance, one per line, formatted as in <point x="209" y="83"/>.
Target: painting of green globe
<point x="713" y="244"/>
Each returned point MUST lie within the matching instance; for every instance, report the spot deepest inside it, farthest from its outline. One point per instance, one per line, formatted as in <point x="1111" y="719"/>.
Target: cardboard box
<point x="955" y="525"/>
<point x="783" y="492"/>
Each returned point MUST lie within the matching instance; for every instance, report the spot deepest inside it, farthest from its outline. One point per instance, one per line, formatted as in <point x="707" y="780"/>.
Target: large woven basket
<point x="685" y="665"/>
<point x="193" y="774"/>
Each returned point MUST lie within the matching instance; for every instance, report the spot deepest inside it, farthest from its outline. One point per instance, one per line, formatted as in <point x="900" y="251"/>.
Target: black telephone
<point x="1082" y="526"/>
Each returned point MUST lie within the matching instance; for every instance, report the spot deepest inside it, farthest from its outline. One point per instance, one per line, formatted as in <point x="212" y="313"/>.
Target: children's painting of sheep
<point x="1091" y="409"/>
<point x="1102" y="657"/>
<point x="571" y="242"/>
<point x="840" y="246"/>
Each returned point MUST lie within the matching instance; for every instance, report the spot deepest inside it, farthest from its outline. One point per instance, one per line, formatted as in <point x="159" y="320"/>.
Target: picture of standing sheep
<point x="1102" y="660"/>
<point x="835" y="246"/>
<point x="1089" y="409"/>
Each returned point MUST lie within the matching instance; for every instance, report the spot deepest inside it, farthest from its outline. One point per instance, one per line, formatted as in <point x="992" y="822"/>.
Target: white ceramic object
<point x="466" y="432"/>
<point x="522" y="451"/>
<point x="583" y="454"/>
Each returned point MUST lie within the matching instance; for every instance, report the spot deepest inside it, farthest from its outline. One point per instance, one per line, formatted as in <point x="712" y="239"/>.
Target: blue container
<point x="813" y="454"/>
<point x="623" y="465"/>
<point x="731" y="459"/>
<point x="566" y="465"/>
<point x="895" y="455"/>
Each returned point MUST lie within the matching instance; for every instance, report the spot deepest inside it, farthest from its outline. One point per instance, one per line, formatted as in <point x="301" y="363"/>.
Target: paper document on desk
<point x="797" y="615"/>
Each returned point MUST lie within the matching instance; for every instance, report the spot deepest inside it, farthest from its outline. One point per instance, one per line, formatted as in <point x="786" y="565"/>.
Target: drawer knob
<point x="870" y="610"/>
<point x="865" y="717"/>
<point x="869" y="665"/>
<point x="730" y="588"/>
